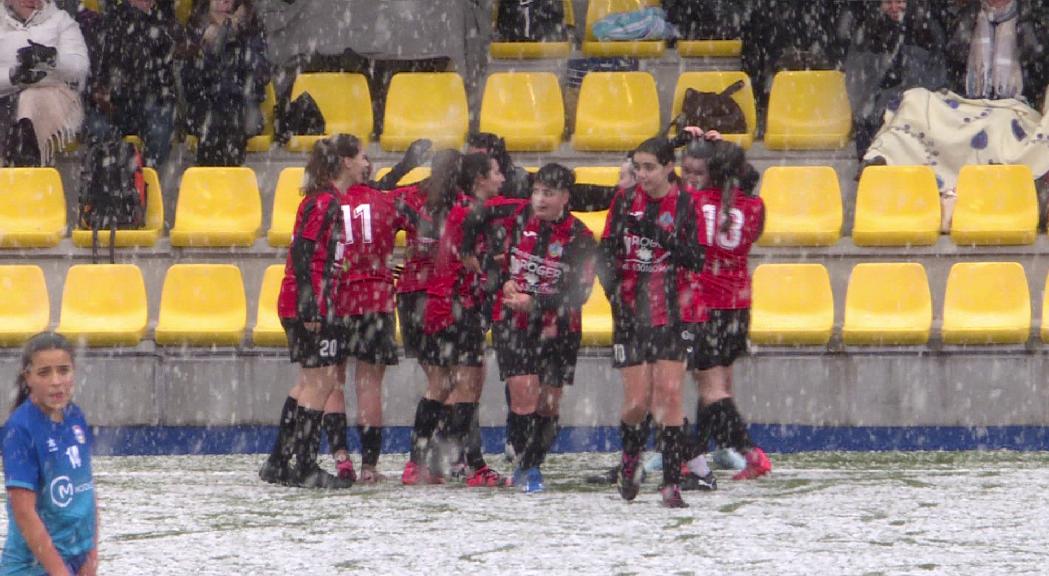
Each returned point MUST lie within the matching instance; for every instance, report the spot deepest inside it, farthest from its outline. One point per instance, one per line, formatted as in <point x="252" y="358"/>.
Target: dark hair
<point x="699" y="149"/>
<point x="199" y="18"/>
<point x="555" y="176"/>
<point x="323" y="166"/>
<point x="495" y="146"/>
<point x="726" y="167"/>
<point x="476" y="165"/>
<point x="440" y="187"/>
<point x="38" y="343"/>
<point x="662" y="149"/>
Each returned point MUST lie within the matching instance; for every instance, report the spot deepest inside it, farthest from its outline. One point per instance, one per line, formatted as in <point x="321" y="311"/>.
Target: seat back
<point x="104" y="304"/>
<point x="808" y="110"/>
<point x="286" y="200"/>
<point x="876" y="316"/>
<point x="201" y="305"/>
<point x="996" y="204"/>
<point x="425" y="105"/>
<point x="616" y="111"/>
<point x="344" y="100"/>
<point x="802" y="206"/>
<point x="25" y="308"/>
<point x="897" y="206"/>
<point x="32" y="207"/>
<point x="217" y="207"/>
<point x="986" y="303"/>
<point x="526" y="109"/>
<point x="792" y="304"/>
<point x="718" y="81"/>
<point x="268" y="330"/>
<point x="597" y="319"/>
<point x="599" y="175"/>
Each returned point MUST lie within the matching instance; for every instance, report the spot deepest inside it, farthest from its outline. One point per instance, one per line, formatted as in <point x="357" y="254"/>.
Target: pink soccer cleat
<point x="758" y="464"/>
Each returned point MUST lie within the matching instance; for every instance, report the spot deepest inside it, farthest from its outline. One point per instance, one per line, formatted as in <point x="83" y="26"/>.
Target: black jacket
<point x="137" y="59"/>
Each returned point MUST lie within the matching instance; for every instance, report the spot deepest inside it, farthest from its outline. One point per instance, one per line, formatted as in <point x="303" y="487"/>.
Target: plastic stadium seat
<point x="600" y="175"/>
<point x="986" y="303"/>
<point x="217" y="207"/>
<point x="808" y="111"/>
<point x="616" y="111"/>
<point x="526" y="109"/>
<point x="32" y="208"/>
<point x="595" y="221"/>
<point x="345" y="102"/>
<point x="183" y="10"/>
<point x="286" y="200"/>
<point x="597" y="319"/>
<point x="104" y="305"/>
<point x="147" y="235"/>
<point x="425" y="105"/>
<point x="802" y="206"/>
<point x="202" y="305"/>
<point x="25" y="308"/>
<point x="877" y="316"/>
<point x="716" y="82"/>
<point x="1045" y="311"/>
<point x="598" y="9"/>
<point x="533" y="50"/>
<point x="897" y="206"/>
<point x="417" y="174"/>
<point x="709" y="48"/>
<point x="996" y="204"/>
<point x="262" y="142"/>
<point x="267" y="330"/>
<point x="792" y="305"/>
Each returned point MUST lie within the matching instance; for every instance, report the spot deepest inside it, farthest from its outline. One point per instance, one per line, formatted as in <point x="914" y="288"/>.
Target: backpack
<point x="112" y="191"/>
<point x="301" y="116"/>
<point x="713" y="110"/>
<point x="530" y="20"/>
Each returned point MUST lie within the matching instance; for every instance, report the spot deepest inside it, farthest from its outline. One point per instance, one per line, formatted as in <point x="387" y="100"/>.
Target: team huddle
<point x="672" y="260"/>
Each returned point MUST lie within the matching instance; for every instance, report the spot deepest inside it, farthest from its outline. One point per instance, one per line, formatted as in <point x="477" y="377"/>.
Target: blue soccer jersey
<point x="52" y="459"/>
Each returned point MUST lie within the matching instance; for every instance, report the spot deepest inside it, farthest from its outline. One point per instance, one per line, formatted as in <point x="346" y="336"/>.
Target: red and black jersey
<point x="318" y="223"/>
<point x="452" y="284"/>
<point x="724" y="282"/>
<point x="421" y="246"/>
<point x="646" y="243"/>
<point x="371" y="219"/>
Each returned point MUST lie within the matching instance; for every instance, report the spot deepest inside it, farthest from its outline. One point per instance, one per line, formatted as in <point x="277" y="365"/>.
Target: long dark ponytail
<point x="323" y="166"/>
<point x="726" y="166"/>
<point x="440" y="187"/>
<point x="38" y="343"/>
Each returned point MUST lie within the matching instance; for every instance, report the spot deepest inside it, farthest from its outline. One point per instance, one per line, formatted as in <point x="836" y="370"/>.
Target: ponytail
<point x="440" y="187"/>
<point x="39" y="343"/>
<point x="726" y="166"/>
<point x="323" y="166"/>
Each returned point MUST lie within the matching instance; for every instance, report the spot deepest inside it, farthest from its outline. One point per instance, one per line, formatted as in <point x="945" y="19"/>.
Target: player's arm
<point x="610" y="246"/>
<point x="580" y="255"/>
<point x="688" y="251"/>
<point x="590" y="197"/>
<point x="23" y="508"/>
<point x="90" y="565"/>
<point x="414" y="157"/>
<point x="481" y="216"/>
<point x="407" y="217"/>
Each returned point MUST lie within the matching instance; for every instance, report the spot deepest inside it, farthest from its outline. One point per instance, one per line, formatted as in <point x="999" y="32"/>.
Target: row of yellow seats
<point x="984" y="303"/>
<point x="899" y="206"/>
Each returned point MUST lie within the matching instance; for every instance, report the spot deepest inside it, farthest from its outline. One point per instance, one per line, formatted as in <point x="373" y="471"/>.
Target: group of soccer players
<point x="672" y="261"/>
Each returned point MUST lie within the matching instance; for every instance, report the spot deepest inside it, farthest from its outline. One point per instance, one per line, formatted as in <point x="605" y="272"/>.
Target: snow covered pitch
<point x="818" y="513"/>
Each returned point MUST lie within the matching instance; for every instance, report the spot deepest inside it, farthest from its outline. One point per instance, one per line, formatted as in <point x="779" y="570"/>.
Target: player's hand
<point x="472" y="264"/>
<point x="520" y="302"/>
<point x="695" y="131"/>
<point x="712" y="135"/>
<point x="510" y="288"/>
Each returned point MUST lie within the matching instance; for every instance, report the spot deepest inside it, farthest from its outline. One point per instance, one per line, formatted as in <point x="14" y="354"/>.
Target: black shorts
<point x="326" y="347"/>
<point x="634" y="344"/>
<point x="461" y="344"/>
<point x="719" y="340"/>
<point x="524" y="353"/>
<point x="369" y="337"/>
<point x="410" y="309"/>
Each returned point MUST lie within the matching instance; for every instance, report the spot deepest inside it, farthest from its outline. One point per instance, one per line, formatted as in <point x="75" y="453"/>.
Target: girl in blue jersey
<point x="52" y="526"/>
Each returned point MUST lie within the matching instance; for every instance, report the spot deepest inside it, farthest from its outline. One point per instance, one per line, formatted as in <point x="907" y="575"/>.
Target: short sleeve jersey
<point x="52" y="459"/>
<point x="318" y="220"/>
<point x="451" y="283"/>
<point x="724" y="282"/>
<point x="421" y="246"/>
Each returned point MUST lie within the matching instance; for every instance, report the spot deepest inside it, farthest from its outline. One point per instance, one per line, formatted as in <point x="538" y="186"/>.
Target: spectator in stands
<point x="224" y="80"/>
<point x="135" y="89"/>
<point x="896" y="45"/>
<point x="43" y="63"/>
<point x="706" y="19"/>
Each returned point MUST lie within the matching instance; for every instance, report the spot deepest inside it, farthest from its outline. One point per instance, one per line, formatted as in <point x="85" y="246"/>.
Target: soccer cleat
<point x="706" y="483"/>
<point x="532" y="481"/>
<point x="324" y="480"/>
<point x="729" y="459"/>
<point x="459" y="471"/>
<point x="484" y="477"/>
<point x="630" y="476"/>
<point x="370" y="475"/>
<point x="415" y="475"/>
<point x="344" y="469"/>
<point x="758" y="464"/>
<point x="671" y="494"/>
<point x="272" y="473"/>
<point x="516" y="478"/>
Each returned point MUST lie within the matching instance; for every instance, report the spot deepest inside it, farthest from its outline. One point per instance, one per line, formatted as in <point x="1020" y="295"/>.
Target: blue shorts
<point x="73" y="564"/>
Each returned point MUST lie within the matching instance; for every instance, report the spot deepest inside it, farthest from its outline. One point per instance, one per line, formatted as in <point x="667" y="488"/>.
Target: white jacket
<point x="51" y="27"/>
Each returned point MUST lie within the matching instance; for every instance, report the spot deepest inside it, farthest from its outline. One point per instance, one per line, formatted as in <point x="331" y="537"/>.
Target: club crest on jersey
<point x="555" y="250"/>
<point x="52" y="446"/>
<point x="644" y="254"/>
<point x="665" y="219"/>
<point x="78" y="433"/>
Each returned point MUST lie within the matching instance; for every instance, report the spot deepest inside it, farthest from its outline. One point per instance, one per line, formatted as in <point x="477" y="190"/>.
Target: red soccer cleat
<point x="415" y="475"/>
<point x="758" y="464"/>
<point x="344" y="469"/>
<point x="484" y="477"/>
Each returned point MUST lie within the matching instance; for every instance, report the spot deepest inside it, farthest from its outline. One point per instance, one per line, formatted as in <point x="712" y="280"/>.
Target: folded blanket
<point x="56" y="113"/>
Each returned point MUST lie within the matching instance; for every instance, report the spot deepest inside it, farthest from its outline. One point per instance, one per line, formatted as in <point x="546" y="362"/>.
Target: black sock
<point x="371" y="444"/>
<point x="704" y="428"/>
<point x="634" y="438"/>
<point x="518" y="429"/>
<point x="646" y="431"/>
<point x="474" y="451"/>
<point x="458" y="429"/>
<point x="281" y="452"/>
<point x="730" y="430"/>
<point x="672" y="436"/>
<point x="335" y="429"/>
<point x="307" y="440"/>
<point x="544" y="432"/>
<point x="428" y="415"/>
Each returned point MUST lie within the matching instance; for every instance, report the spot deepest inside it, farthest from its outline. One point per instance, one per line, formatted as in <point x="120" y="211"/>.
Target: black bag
<point x="713" y="110"/>
<point x="302" y="117"/>
<point x="531" y="21"/>
<point x="112" y="191"/>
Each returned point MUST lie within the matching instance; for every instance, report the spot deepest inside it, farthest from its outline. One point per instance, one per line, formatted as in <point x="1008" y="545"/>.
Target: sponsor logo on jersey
<point x="62" y="491"/>
<point x="528" y="234"/>
<point x="78" y="433"/>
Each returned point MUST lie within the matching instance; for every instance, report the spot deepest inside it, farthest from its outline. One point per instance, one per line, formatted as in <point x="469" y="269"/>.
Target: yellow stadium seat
<point x="529" y="50"/>
<point x="792" y="305"/>
<point x="716" y="82"/>
<point x="217" y="207"/>
<point x="598" y="9"/>
<point x="183" y="10"/>
<point x="25" y="308"/>
<point x="268" y="331"/>
<point x="897" y="206"/>
<point x="145" y="236"/>
<point x="595" y="221"/>
<point x="802" y="206"/>
<point x="262" y="142"/>
<point x="808" y="111"/>
<point x="616" y="111"/>
<point x="345" y="102"/>
<point x="1045" y="311"/>
<point x="597" y="319"/>
<point x="526" y="109"/>
<point x="899" y="316"/>
<point x="996" y="204"/>
<point x="92" y="5"/>
<point x="709" y="48"/>
<point x="599" y="175"/>
<point x="202" y="305"/>
<point x="425" y="105"/>
<point x="286" y="200"/>
<point x="986" y="303"/>
<point x="415" y="175"/>
<point x="104" y="305"/>
<point x="32" y="208"/>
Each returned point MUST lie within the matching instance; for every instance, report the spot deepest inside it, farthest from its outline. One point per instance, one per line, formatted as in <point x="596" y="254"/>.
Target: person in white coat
<point x="43" y="65"/>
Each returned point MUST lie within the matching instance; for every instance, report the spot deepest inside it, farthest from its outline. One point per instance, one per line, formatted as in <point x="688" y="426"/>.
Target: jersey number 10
<point x="364" y="213"/>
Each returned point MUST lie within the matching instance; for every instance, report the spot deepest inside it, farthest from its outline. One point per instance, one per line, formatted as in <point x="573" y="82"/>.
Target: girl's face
<point x="357" y="168"/>
<point x="651" y="175"/>
<point x="695" y="173"/>
<point x="489" y="186"/>
<point x="894" y="9"/>
<point x="626" y="175"/>
<point x="548" y="203"/>
<point x="50" y="380"/>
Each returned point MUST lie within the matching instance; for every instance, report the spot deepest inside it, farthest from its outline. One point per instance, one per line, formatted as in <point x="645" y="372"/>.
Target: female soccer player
<point x="649" y="235"/>
<point x="52" y="526"/>
<point x="306" y="306"/>
<point x="731" y="221"/>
